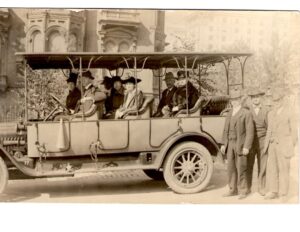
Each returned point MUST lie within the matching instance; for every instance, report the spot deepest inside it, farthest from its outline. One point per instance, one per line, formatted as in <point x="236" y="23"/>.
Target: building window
<point x="36" y="42"/>
<point x="110" y="47"/>
<point x="123" y="47"/>
<point x="56" y="42"/>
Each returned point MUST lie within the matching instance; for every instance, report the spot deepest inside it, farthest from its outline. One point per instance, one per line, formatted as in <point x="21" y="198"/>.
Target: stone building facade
<point x="63" y="30"/>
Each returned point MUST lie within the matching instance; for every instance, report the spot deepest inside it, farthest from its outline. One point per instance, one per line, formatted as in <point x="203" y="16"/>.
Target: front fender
<point x="202" y="138"/>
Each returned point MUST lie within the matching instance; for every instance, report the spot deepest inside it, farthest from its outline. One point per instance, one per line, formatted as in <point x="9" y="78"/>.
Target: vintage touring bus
<point x="179" y="149"/>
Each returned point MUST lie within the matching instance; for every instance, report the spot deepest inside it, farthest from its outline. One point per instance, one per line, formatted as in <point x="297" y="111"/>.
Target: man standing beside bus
<point x="260" y="117"/>
<point x="237" y="141"/>
<point x="280" y="141"/>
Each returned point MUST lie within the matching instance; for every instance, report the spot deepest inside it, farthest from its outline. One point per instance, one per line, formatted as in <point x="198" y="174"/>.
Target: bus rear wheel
<point x="188" y="168"/>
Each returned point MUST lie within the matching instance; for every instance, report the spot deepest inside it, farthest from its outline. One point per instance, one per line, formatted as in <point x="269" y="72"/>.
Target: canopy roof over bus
<point x="112" y="61"/>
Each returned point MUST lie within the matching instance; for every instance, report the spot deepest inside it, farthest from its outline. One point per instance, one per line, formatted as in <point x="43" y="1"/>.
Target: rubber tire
<point x="3" y="175"/>
<point x="168" y="172"/>
<point x="154" y="174"/>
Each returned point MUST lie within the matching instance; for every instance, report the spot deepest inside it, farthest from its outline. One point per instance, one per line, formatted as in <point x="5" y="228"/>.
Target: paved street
<point x="129" y="187"/>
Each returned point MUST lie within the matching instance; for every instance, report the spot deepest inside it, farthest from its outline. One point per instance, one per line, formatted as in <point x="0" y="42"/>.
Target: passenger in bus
<point x="74" y="93"/>
<point x="116" y="98"/>
<point x="166" y="101"/>
<point x="92" y="96"/>
<point x="186" y="94"/>
<point x="133" y="98"/>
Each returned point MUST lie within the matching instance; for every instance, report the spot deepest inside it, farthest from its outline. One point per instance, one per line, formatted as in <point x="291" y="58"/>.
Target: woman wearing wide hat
<point x="133" y="98"/>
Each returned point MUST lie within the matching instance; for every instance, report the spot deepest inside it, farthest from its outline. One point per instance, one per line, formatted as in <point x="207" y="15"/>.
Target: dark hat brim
<point x="88" y="74"/>
<point x="116" y="78"/>
<point x="256" y="94"/>
<point x="106" y="79"/>
<point x="181" y="72"/>
<point x="131" y="80"/>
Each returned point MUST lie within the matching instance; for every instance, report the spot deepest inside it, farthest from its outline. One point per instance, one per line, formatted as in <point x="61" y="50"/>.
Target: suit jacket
<point x="166" y="100"/>
<point x="260" y="121"/>
<point x="132" y="104"/>
<point x="282" y="131"/>
<point x="115" y="100"/>
<point x="98" y="98"/>
<point x="244" y="128"/>
<point x="72" y="98"/>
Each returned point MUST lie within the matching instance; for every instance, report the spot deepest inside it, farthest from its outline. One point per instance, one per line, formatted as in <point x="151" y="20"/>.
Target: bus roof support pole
<point x="81" y="86"/>
<point x="199" y="75"/>
<point x="135" y="77"/>
<point x="226" y="66"/>
<point x="242" y="64"/>
<point x="186" y="86"/>
<point x="26" y="91"/>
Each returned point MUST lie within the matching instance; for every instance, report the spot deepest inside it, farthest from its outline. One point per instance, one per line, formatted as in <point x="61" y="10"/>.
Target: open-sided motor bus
<point x="181" y="149"/>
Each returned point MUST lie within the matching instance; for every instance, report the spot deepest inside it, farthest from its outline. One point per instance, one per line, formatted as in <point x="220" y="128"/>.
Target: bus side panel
<point x="61" y="139"/>
<point x="139" y="135"/>
<point x="161" y="129"/>
<point x="214" y="125"/>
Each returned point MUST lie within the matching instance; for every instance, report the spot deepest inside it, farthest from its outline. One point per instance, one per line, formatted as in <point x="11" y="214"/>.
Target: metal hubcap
<point x="189" y="168"/>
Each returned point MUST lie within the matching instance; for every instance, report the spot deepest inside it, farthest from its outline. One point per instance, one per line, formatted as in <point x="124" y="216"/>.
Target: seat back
<point x="215" y="105"/>
<point x="91" y="114"/>
<point x="145" y="111"/>
<point x="206" y="106"/>
<point x="193" y="111"/>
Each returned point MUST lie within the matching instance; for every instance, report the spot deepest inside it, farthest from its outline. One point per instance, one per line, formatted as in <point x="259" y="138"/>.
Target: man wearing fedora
<point x="279" y="144"/>
<point x="133" y="98"/>
<point x="260" y="117"/>
<point x="91" y="95"/>
<point x="74" y="93"/>
<point x="166" y="101"/>
<point x="186" y="94"/>
<point x="237" y="141"/>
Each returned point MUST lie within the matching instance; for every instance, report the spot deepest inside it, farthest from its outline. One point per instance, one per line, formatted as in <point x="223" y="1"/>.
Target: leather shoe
<point x="230" y="194"/>
<point x="270" y="196"/>
<point x="242" y="196"/>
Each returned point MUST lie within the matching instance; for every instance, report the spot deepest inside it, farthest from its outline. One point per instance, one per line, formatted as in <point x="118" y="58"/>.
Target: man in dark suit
<point x="260" y="117"/>
<point x="166" y="101"/>
<point x="237" y="141"/>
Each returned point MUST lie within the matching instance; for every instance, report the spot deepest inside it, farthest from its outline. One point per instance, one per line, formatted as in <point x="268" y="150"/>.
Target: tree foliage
<point x="42" y="83"/>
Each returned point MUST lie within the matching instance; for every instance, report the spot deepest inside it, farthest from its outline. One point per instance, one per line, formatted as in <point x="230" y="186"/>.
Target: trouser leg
<point x="242" y="182"/>
<point x="231" y="168"/>
<point x="262" y="166"/>
<point x="250" y="164"/>
<point x="262" y="173"/>
<point x="272" y="170"/>
<point x="284" y="172"/>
